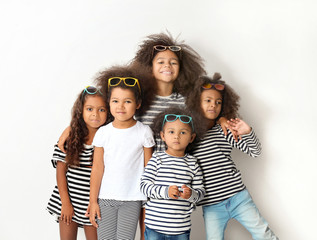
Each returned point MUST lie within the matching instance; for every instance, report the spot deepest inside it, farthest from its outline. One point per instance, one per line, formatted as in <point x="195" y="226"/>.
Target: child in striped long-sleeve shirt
<point x="172" y="179"/>
<point x="226" y="196"/>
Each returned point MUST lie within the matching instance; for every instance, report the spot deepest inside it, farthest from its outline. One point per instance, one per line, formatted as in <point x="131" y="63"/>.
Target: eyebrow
<point x="159" y="58"/>
<point x="213" y="98"/>
<point x="123" y="98"/>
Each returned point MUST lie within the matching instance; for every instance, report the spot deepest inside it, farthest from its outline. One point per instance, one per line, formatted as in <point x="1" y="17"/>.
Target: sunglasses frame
<point x="165" y="48"/>
<point x="124" y="81"/>
<point x="90" y="93"/>
<point x="178" y="117"/>
<point x="214" y="85"/>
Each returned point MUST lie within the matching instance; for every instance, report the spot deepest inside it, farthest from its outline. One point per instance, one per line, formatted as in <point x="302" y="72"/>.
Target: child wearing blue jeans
<point x="172" y="180"/>
<point x="226" y="195"/>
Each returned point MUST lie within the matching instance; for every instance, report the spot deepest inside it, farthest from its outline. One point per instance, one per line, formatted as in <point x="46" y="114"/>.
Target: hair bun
<point x="216" y="76"/>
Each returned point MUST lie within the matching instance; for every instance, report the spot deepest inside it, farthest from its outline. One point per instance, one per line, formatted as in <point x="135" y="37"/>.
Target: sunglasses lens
<point x="175" y="48"/>
<point x="171" y="118"/>
<point x="220" y="87"/>
<point x="207" y="86"/>
<point x="160" y="48"/>
<point x="130" y="81"/>
<point x="91" y="90"/>
<point x="185" y="119"/>
<point x="114" y="81"/>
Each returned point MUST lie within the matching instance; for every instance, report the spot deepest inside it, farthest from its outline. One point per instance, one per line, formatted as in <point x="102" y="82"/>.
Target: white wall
<point x="266" y="50"/>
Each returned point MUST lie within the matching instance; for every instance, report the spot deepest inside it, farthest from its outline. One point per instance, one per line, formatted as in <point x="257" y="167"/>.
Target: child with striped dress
<point x="70" y="197"/>
<point x="172" y="179"/>
<point x="226" y="195"/>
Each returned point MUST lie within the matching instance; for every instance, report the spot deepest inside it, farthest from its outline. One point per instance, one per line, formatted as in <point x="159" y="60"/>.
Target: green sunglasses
<point x="173" y="117"/>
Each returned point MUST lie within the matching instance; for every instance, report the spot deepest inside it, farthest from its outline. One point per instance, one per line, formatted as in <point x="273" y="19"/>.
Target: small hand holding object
<point x="173" y="192"/>
<point x="186" y="193"/>
<point x="239" y="126"/>
<point x="94" y="211"/>
<point x="67" y="212"/>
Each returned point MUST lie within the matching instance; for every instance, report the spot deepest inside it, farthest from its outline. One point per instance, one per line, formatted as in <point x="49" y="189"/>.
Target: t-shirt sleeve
<point x="58" y="155"/>
<point x="148" y="138"/>
<point x="99" y="139"/>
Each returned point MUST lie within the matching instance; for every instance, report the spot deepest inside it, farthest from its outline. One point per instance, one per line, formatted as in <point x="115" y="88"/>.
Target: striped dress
<point x="165" y="215"/>
<point x="222" y="179"/>
<point x="78" y="180"/>
<point x="160" y="104"/>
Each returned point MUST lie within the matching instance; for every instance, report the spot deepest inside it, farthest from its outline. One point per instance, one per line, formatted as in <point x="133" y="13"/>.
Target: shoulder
<point x="190" y="159"/>
<point x="105" y="128"/>
<point x="143" y="127"/>
<point x="177" y="97"/>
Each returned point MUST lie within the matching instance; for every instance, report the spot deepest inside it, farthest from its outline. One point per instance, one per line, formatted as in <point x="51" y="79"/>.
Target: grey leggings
<point x="119" y="219"/>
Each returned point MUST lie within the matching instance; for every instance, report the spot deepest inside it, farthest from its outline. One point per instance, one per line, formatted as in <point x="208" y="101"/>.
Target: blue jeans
<point x="240" y="207"/>
<point x="150" y="234"/>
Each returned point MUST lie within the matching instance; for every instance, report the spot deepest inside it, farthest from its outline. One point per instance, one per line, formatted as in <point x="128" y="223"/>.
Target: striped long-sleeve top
<point x="160" y="104"/>
<point x="221" y="177"/>
<point x="163" y="214"/>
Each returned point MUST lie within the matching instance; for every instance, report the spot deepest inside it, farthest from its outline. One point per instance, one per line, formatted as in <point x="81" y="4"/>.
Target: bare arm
<point x="67" y="211"/>
<point x="62" y="139"/>
<point x="147" y="155"/>
<point x="95" y="182"/>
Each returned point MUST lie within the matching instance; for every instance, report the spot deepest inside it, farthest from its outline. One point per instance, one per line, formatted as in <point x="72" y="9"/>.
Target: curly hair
<point x="191" y="64"/>
<point x="146" y="83"/>
<point x="230" y="99"/>
<point x="79" y="131"/>
<point x="197" y="128"/>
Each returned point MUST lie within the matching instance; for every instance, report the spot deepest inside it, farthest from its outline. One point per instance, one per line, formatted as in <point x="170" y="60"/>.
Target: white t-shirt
<point x="123" y="159"/>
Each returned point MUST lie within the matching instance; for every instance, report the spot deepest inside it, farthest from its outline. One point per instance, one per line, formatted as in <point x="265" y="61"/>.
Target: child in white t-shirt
<point x="122" y="149"/>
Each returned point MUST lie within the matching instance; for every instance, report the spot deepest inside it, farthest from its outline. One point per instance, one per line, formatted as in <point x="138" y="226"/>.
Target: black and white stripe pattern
<point x="165" y="215"/>
<point x="221" y="177"/>
<point x="159" y="105"/>
<point x="78" y="180"/>
<point x="119" y="219"/>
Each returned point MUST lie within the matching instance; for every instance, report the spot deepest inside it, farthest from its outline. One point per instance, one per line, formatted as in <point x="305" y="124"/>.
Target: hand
<point x="224" y="123"/>
<point x="173" y="192"/>
<point x="187" y="192"/>
<point x="67" y="213"/>
<point x="87" y="213"/>
<point x="239" y="126"/>
<point x="94" y="211"/>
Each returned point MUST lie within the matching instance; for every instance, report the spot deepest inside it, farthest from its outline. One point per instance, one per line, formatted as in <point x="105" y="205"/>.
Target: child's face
<point x="123" y="104"/>
<point x="211" y="103"/>
<point x="94" y="112"/>
<point x="165" y="66"/>
<point x="177" y="135"/>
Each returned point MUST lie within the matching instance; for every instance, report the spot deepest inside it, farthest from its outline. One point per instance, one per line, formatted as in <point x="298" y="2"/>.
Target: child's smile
<point x="165" y="66"/>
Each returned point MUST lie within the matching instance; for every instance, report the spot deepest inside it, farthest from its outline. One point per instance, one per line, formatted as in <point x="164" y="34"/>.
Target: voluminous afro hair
<point x="78" y="129"/>
<point x="230" y="99"/>
<point x="196" y="120"/>
<point x="146" y="83"/>
<point x="191" y="64"/>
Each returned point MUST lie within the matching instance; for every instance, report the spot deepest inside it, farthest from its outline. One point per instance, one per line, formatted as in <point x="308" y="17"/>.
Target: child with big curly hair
<point x="172" y="179"/>
<point x="173" y="67"/>
<point x="70" y="197"/>
<point x="226" y="196"/>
